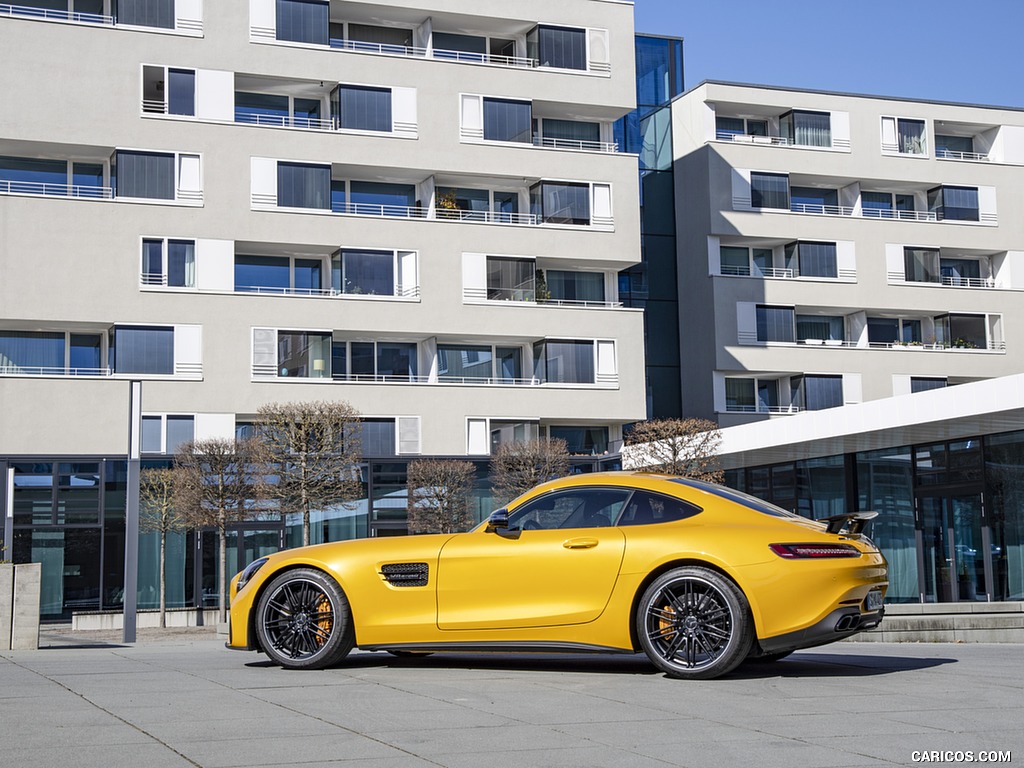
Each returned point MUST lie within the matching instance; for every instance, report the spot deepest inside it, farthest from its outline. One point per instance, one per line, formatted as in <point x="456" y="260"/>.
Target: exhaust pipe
<point x="847" y="623"/>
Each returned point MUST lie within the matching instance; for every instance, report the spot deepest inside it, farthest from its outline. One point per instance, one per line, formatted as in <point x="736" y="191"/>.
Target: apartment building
<point x="415" y="207"/>
<point x="851" y="276"/>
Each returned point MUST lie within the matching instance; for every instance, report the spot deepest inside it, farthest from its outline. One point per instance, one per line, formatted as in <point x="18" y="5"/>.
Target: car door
<point x="555" y="565"/>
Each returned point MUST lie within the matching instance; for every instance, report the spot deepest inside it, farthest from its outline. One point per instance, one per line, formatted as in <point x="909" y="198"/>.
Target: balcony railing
<point x="285" y="121"/>
<point x="484" y="58"/>
<point x="523" y="296"/>
<point x="948" y="154"/>
<point x="888" y="213"/>
<point x="990" y="346"/>
<point x="55" y="190"/>
<point x="389" y="50"/>
<point x="576" y="144"/>
<point x="822" y="210"/>
<point x="34" y="370"/>
<point x="55" y="15"/>
<point x="946" y="281"/>
<point x="762" y="408"/>
<point x="374" y="209"/>
<point x="777" y="141"/>
<point x="487" y="381"/>
<point x="487" y="217"/>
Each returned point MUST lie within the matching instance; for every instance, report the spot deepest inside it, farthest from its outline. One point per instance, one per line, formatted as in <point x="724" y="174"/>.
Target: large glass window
<point x="303" y="21"/>
<point x="883" y="330"/>
<point x="31" y="352"/>
<point x="769" y="190"/>
<point x="911" y="136"/>
<point x="363" y="272"/>
<point x="507" y="120"/>
<point x="390" y="39"/>
<point x="816" y="393"/>
<point x="808" y="129"/>
<point x="85" y="354"/>
<point x="954" y="146"/>
<point x="775" y="323"/>
<point x="460" y="362"/>
<point x="570" y="132"/>
<point x="301" y="185"/>
<point x="575" y="286"/>
<point x="811" y="259"/>
<point x="926" y="383"/>
<point x="961" y="331"/>
<point x="564" y="362"/>
<point x="181" y="91"/>
<point x="304" y="354"/>
<point x="378" y="437"/>
<point x="144" y="175"/>
<point x="921" y="265"/>
<point x="361" y="108"/>
<point x="885" y="484"/>
<point x="734" y="260"/>
<point x="145" y="13"/>
<point x="561" y="203"/>
<point x="954" y="203"/>
<point x="825" y="328"/>
<point x="1004" y="475"/>
<point x="814" y="200"/>
<point x="511" y="279"/>
<point x="263" y="274"/>
<point x="960" y="271"/>
<point x="582" y="441"/>
<point x="261" y="108"/>
<point x="376" y="198"/>
<point x="449" y="45"/>
<point x="739" y="394"/>
<point x="370" y="360"/>
<point x="142" y="349"/>
<point x="455" y="202"/>
<point x="559" y="47"/>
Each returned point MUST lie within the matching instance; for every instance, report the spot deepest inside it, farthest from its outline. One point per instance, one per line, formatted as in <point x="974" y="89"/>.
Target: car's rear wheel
<point x="303" y="620"/>
<point x="693" y="622"/>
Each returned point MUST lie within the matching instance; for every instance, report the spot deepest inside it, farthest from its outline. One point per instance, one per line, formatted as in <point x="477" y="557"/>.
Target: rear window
<point x="647" y="508"/>
<point x="751" y="502"/>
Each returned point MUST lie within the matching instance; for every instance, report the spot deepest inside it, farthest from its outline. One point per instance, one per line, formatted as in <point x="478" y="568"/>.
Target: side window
<point x="646" y="508"/>
<point x="577" y="508"/>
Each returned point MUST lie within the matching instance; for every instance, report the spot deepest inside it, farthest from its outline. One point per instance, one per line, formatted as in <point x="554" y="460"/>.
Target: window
<point x="564" y="362"/>
<point x="960" y="272"/>
<point x="886" y="205"/>
<point x="374" y="360"/>
<point x="153" y="175"/>
<point x="373" y="198"/>
<point x="360" y="108"/>
<point x="811" y="259"/>
<point x="558" y="47"/>
<point x="301" y="185"/>
<point x="578" y="508"/>
<point x="769" y="190"/>
<point x="816" y="393"/>
<point x="142" y="349"/>
<point x="962" y="331"/>
<point x="921" y="265"/>
<point x="954" y="146"/>
<point x="903" y="135"/>
<point x="582" y="441"/>
<point x="923" y="384"/>
<point x="261" y="108"/>
<point x="377" y="437"/>
<point x="954" y="203"/>
<point x="561" y="203"/>
<point x="457" y="362"/>
<point x="727" y="127"/>
<point x="278" y="274"/>
<point x="507" y="120"/>
<point x="574" y="134"/>
<point x="165" y="433"/>
<point x="33" y="177"/>
<point x="303" y="21"/>
<point x="510" y="279"/>
<point x="169" y="262"/>
<point x="31" y="352"/>
<point x="449" y="45"/>
<point x="734" y="260"/>
<point x="363" y="272"/>
<point x="646" y="508"/>
<point x="816" y="327"/>
<point x="181" y="92"/>
<point x="775" y="323"/>
<point x="578" y="287"/>
<point x="146" y="13"/>
<point x="739" y="394"/>
<point x="467" y="204"/>
<point x="814" y="200"/>
<point x="389" y="39"/>
<point x="883" y="330"/>
<point x="304" y="354"/>
<point x="807" y="129"/>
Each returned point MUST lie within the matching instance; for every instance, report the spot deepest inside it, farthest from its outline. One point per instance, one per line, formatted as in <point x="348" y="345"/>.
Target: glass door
<point x="955" y="562"/>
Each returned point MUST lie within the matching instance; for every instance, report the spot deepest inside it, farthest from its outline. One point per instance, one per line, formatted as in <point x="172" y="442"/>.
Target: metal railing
<point x="285" y="121"/>
<point x="948" y="154"/>
<point x="55" y="190"/>
<point x="576" y="144"/>
<point x="785" y="273"/>
<point x="762" y="408"/>
<point x="946" y="281"/>
<point x="37" y="370"/>
<point x="821" y="209"/>
<point x="778" y="141"/>
<point x="889" y="213"/>
<point x="54" y="15"/>
<point x="374" y="209"/>
<point x="487" y="381"/>
<point x="385" y="48"/>
<point x="486" y="217"/>
<point x="443" y="54"/>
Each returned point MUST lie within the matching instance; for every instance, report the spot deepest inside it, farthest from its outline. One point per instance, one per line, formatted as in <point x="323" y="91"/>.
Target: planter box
<point x="176" y="617"/>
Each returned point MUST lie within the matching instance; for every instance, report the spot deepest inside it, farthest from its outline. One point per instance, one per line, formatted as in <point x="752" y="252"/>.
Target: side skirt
<point x="498" y="647"/>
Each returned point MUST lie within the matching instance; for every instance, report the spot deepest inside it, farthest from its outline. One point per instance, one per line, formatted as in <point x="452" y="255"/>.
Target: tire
<point x="303" y="620"/>
<point x="694" y="623"/>
<point x="766" y="658"/>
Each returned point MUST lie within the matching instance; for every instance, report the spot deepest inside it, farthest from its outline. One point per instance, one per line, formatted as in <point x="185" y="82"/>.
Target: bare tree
<point x="682" y="447"/>
<point x="317" y="447"/>
<point x="439" y="495"/>
<point x="218" y="482"/>
<point x="520" y="465"/>
<point x="159" y="514"/>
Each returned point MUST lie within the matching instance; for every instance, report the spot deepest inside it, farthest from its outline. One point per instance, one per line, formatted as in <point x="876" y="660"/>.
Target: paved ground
<point x="180" y="699"/>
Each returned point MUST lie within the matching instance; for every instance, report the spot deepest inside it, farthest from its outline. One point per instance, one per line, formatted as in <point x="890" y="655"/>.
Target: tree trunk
<point x="305" y="505"/>
<point x="163" y="579"/>
<point x="222" y="546"/>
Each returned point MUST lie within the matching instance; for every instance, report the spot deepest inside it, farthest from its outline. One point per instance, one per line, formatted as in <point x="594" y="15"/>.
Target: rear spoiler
<point x="854" y="522"/>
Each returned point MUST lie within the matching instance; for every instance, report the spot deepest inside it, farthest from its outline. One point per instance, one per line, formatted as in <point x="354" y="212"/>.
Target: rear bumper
<point x="841" y="623"/>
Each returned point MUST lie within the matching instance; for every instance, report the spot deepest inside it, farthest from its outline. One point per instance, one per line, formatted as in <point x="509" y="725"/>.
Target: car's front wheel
<point x="303" y="620"/>
<point x="693" y="622"/>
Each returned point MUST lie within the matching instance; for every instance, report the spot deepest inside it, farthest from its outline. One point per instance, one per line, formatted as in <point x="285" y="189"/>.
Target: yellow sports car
<point x="697" y="576"/>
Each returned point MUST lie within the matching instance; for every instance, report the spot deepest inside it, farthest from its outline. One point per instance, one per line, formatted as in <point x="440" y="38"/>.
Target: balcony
<point x="772" y="409"/>
<point x="487" y="217"/>
<point x="82" y="191"/>
<point x="20" y="370"/>
<point x="171" y="22"/>
<point x="49" y="14"/>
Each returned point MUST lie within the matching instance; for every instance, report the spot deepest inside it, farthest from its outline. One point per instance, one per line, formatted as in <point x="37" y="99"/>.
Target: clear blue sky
<point x="969" y="51"/>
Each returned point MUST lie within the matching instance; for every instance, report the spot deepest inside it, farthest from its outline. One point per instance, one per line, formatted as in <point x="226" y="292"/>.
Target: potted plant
<point x="447" y="205"/>
<point x="541" y="290"/>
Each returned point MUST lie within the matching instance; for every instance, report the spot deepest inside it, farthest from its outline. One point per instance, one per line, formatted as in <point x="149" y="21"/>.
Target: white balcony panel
<point x="853" y="389"/>
<point x="741" y="190"/>
<point x="188" y="350"/>
<point x="601" y="204"/>
<point x="895" y="265"/>
<point x="474" y="275"/>
<point x="472" y="116"/>
<point x="987" y="210"/>
<point x="215" y="265"/>
<point x="477" y="438"/>
<point x="408" y="278"/>
<point x="846" y="259"/>
<point x="264" y="353"/>
<point x="215" y="95"/>
<point x="190" y="178"/>
<point x="263" y="17"/>
<point x="607" y="367"/>
<point x="408" y="435"/>
<point x="403" y="111"/>
<point x="215" y="426"/>
<point x="189" y="15"/>
<point x="840" y="123"/>
<point x="746" y="322"/>
<point x="264" y="181"/>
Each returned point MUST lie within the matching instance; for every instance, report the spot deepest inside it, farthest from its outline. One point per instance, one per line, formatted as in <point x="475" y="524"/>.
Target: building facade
<point x="418" y="208"/>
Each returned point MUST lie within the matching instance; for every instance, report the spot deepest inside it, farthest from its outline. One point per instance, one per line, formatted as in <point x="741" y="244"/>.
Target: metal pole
<point x="131" y="512"/>
<point x="9" y="518"/>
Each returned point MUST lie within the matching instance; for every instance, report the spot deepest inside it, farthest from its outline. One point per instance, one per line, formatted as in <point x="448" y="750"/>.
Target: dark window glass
<point x="507" y="120"/>
<point x="91" y="7"/>
<point x="510" y="363"/>
<point x="377" y="437"/>
<point x="659" y="70"/>
<point x="152" y="434"/>
<point x="775" y="323"/>
<point x="921" y="265"/>
<point x="85" y="354"/>
<point x="730" y="126"/>
<point x="511" y="279"/>
<point x="575" y="286"/>
<point x="304" y="354"/>
<point x="448" y="45"/>
<point x="558" y="203"/>
<point x="965" y="331"/>
<point x="364" y="272"/>
<point x="733" y="260"/>
<point x="559" y="131"/>
<point x="577" y="508"/>
<point x="767" y="395"/>
<point x="376" y="198"/>
<point x="809" y="129"/>
<point x="877" y="204"/>
<point x="180" y="429"/>
<point x="395" y="37"/>
<point x="456" y="362"/>
<point x="145" y="13"/>
<point x="33" y="177"/>
<point x="181" y="91"/>
<point x="451" y="200"/>
<point x="769" y="190"/>
<point x="31" y="352"/>
<point x="955" y="146"/>
<point x="739" y="394"/>
<point x="87" y="179"/>
<point x="588" y="441"/>
<point x="142" y="349"/>
<point x="303" y="186"/>
<point x="648" y="508"/>
<point x="308" y="275"/>
<point x="363" y="359"/>
<point x="883" y="330"/>
<point x="817" y="259"/>
<point x="506" y="203"/>
<point x="262" y="273"/>
<point x="363" y="109"/>
<point x="261" y="108"/>
<point x="923" y="384"/>
<point x="813" y="199"/>
<point x="181" y="263"/>
<point x="303" y="21"/>
<point x="145" y="175"/>
<point x="959" y="271"/>
<point x="152" y="262"/>
<point x="561" y="47"/>
<point x="820" y="392"/>
<point x="71" y="564"/>
<point x="954" y="203"/>
<point x="396" y="360"/>
<point x="564" y="362"/>
<point x="827" y="328"/>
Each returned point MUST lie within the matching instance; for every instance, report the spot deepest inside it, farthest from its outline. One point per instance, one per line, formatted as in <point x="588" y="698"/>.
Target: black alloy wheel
<point x="694" y="623"/>
<point x="303" y="620"/>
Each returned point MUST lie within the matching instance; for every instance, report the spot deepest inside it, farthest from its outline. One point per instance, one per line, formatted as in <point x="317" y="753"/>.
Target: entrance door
<point x="956" y="562"/>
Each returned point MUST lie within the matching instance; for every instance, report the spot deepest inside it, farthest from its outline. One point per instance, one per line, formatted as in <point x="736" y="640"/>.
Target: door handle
<point x="587" y="543"/>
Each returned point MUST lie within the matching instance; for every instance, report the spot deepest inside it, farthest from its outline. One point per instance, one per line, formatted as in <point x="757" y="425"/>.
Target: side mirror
<point x="498" y="520"/>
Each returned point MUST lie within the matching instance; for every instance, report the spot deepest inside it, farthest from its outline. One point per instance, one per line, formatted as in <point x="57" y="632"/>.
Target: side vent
<point x="406" y="574"/>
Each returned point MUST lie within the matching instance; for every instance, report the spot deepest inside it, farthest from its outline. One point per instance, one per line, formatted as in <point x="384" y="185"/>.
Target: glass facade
<point x="145" y="13"/>
<point x="142" y="349"/>
<point x="559" y="47"/>
<point x="510" y="279"/>
<point x="303" y="21"/>
<point x="564" y="362"/>
<point x="954" y="203"/>
<point x="301" y="185"/>
<point x="769" y="190"/>
<point x="507" y="120"/>
<point x="561" y="203"/>
<point x="361" y="108"/>
<point x="363" y="272"/>
<point x="144" y="175"/>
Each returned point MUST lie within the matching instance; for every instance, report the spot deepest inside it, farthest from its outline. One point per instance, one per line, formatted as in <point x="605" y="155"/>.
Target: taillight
<point x="813" y="551"/>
